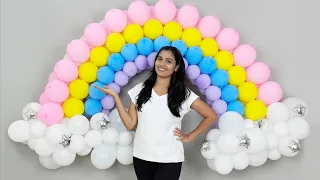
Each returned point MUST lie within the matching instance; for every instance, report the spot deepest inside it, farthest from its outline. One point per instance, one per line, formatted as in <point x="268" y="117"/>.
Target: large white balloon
<point x="228" y="144"/>
<point x="48" y="162"/>
<point x="240" y="160"/>
<point x="110" y="136"/>
<point x="210" y="153"/>
<point x="125" y="138"/>
<point x="38" y="129"/>
<point x="103" y="156"/>
<point x="223" y="164"/>
<point x="77" y="144"/>
<point x="258" y="140"/>
<point x="85" y="152"/>
<point x="32" y="142"/>
<point x="213" y="135"/>
<point x="44" y="146"/>
<point x="288" y="145"/>
<point x="94" y="121"/>
<point x="116" y="121"/>
<point x="298" y="128"/>
<point x="78" y="124"/>
<point x="210" y="163"/>
<point x="125" y="154"/>
<point x="56" y="131"/>
<point x="258" y="159"/>
<point x="19" y="131"/>
<point x="274" y="154"/>
<point x="280" y="129"/>
<point x="277" y="112"/>
<point x="93" y="138"/>
<point x="267" y="126"/>
<point x="232" y="123"/>
<point x="297" y="107"/>
<point x="63" y="157"/>
<point x="273" y="141"/>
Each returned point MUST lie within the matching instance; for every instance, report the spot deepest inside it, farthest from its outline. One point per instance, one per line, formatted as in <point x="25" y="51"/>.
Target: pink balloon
<point x="244" y="55"/>
<point x="228" y="39"/>
<point x="188" y="16"/>
<point x="116" y="20"/>
<point x="258" y="73"/>
<point x="152" y="16"/>
<point x="165" y="11"/>
<point x="270" y="92"/>
<point x="128" y="19"/>
<point x="43" y="98"/>
<point x="86" y="41"/>
<point x="52" y="77"/>
<point x="209" y="26"/>
<point x="51" y="113"/>
<point x="57" y="91"/>
<point x="139" y="12"/>
<point x="95" y="34"/>
<point x="104" y="25"/>
<point x="66" y="71"/>
<point x="78" y="51"/>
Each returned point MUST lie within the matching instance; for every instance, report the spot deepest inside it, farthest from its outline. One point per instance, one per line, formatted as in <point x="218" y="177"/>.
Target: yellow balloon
<point x="114" y="42"/>
<point x="247" y="92"/>
<point x="237" y="75"/>
<point x="79" y="89"/>
<point x="88" y="72"/>
<point x="99" y="56"/>
<point x="153" y="29"/>
<point x="172" y="30"/>
<point x="72" y="107"/>
<point x="255" y="110"/>
<point x="191" y="36"/>
<point x="133" y="33"/>
<point x="209" y="47"/>
<point x="224" y="60"/>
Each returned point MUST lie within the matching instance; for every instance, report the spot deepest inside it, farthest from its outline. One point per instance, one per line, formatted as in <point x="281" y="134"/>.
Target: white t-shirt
<point x="154" y="137"/>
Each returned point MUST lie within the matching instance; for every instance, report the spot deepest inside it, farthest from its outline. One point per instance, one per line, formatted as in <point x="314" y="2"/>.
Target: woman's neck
<point x="162" y="83"/>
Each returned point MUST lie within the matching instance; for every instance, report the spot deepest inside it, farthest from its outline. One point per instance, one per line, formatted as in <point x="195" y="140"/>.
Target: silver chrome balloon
<point x="244" y="141"/>
<point x="66" y="141"/>
<point x="205" y="145"/>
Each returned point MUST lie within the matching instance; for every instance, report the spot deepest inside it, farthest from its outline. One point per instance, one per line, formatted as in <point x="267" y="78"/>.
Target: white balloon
<point x="43" y="146"/>
<point x="210" y="153"/>
<point x="298" y="128"/>
<point x="258" y="159"/>
<point x="48" y="162"/>
<point x="103" y="156"/>
<point x="228" y="144"/>
<point x="213" y="135"/>
<point x="277" y="112"/>
<point x="223" y="164"/>
<point x="32" y="142"/>
<point x="56" y="131"/>
<point x="94" y="121"/>
<point x="280" y="129"/>
<point x="125" y="138"/>
<point x="240" y="160"/>
<point x="116" y="121"/>
<point x="267" y="126"/>
<point x="65" y="121"/>
<point x="231" y="122"/>
<point x="283" y="146"/>
<point x="32" y="106"/>
<point x="210" y="163"/>
<point x="258" y="140"/>
<point x="19" y="131"/>
<point x="85" y="152"/>
<point x="38" y="129"/>
<point x="93" y="138"/>
<point x="273" y="141"/>
<point x="125" y="155"/>
<point x="78" y="124"/>
<point x="77" y="144"/>
<point x="248" y="123"/>
<point x="274" y="154"/>
<point x="63" y="157"/>
<point x="25" y="142"/>
<point x="297" y="107"/>
<point x="110" y="136"/>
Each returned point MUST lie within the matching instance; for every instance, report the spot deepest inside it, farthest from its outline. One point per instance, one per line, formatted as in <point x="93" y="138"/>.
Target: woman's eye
<point x="168" y="61"/>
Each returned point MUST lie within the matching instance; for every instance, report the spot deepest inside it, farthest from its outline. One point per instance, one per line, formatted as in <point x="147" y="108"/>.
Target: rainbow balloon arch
<point x="73" y="118"/>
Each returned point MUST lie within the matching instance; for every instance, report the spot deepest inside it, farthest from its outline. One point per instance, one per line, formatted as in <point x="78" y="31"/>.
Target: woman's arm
<point x="129" y="118"/>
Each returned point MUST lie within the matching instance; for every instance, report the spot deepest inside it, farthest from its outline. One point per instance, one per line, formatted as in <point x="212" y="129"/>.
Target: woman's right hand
<point x="107" y="90"/>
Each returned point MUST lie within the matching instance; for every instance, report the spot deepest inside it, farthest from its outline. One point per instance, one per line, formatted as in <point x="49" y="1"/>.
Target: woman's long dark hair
<point x="177" y="92"/>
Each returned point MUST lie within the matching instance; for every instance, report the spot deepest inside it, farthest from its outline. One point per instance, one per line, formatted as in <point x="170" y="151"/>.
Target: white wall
<point x="34" y="35"/>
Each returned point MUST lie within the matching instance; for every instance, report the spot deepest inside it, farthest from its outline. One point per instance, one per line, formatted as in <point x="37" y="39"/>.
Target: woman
<point x="158" y="106"/>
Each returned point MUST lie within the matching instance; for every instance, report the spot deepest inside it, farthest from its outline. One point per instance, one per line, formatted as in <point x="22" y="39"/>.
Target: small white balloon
<point x="85" y="152"/>
<point x="223" y="164"/>
<point x="267" y="126"/>
<point x="213" y="135"/>
<point x="289" y="146"/>
<point x="48" y="162"/>
<point x="125" y="138"/>
<point x="25" y="142"/>
<point x="93" y="138"/>
<point x="280" y="129"/>
<point x="228" y="144"/>
<point x="125" y="155"/>
<point x="298" y="128"/>
<point x="19" y="131"/>
<point x="210" y="163"/>
<point x="248" y="123"/>
<point x="110" y="136"/>
<point x="258" y="159"/>
<point x="211" y="152"/>
<point x="44" y="146"/>
<point x="277" y="112"/>
<point x="38" y="129"/>
<point x="77" y="144"/>
<point x="63" y="157"/>
<point x="32" y="142"/>
<point x="103" y="156"/>
<point x="78" y="125"/>
<point x="56" y="131"/>
<point x="258" y="140"/>
<point x="297" y="107"/>
<point x="65" y="121"/>
<point x="116" y="121"/>
<point x="274" y="154"/>
<point x="231" y="122"/>
<point x="240" y="160"/>
<point x="94" y="121"/>
<point x="273" y="141"/>
<point x="31" y="110"/>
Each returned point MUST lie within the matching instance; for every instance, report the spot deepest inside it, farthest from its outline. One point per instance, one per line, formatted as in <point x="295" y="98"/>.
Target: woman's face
<point x="165" y="64"/>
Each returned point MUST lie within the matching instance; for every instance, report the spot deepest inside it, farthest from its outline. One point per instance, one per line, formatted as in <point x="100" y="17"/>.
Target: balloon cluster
<point x="242" y="142"/>
<point x="124" y="44"/>
<point x="57" y="145"/>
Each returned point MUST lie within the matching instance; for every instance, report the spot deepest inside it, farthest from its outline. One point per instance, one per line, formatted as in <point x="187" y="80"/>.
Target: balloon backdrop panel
<point x="74" y="118"/>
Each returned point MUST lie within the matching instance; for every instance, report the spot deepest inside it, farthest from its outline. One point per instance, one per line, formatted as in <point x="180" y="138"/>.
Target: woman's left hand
<point x="181" y="136"/>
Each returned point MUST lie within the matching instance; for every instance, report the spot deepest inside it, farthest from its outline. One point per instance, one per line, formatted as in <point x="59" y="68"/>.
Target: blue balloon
<point x="129" y="52"/>
<point x="160" y="42"/>
<point x="229" y="93"/>
<point x="194" y="55"/>
<point x="181" y="45"/>
<point x="219" y="78"/>
<point x="95" y="93"/>
<point x="105" y="75"/>
<point x="92" y="106"/>
<point x="207" y="65"/>
<point x="145" y="46"/>
<point x="236" y="106"/>
<point x="116" y="61"/>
